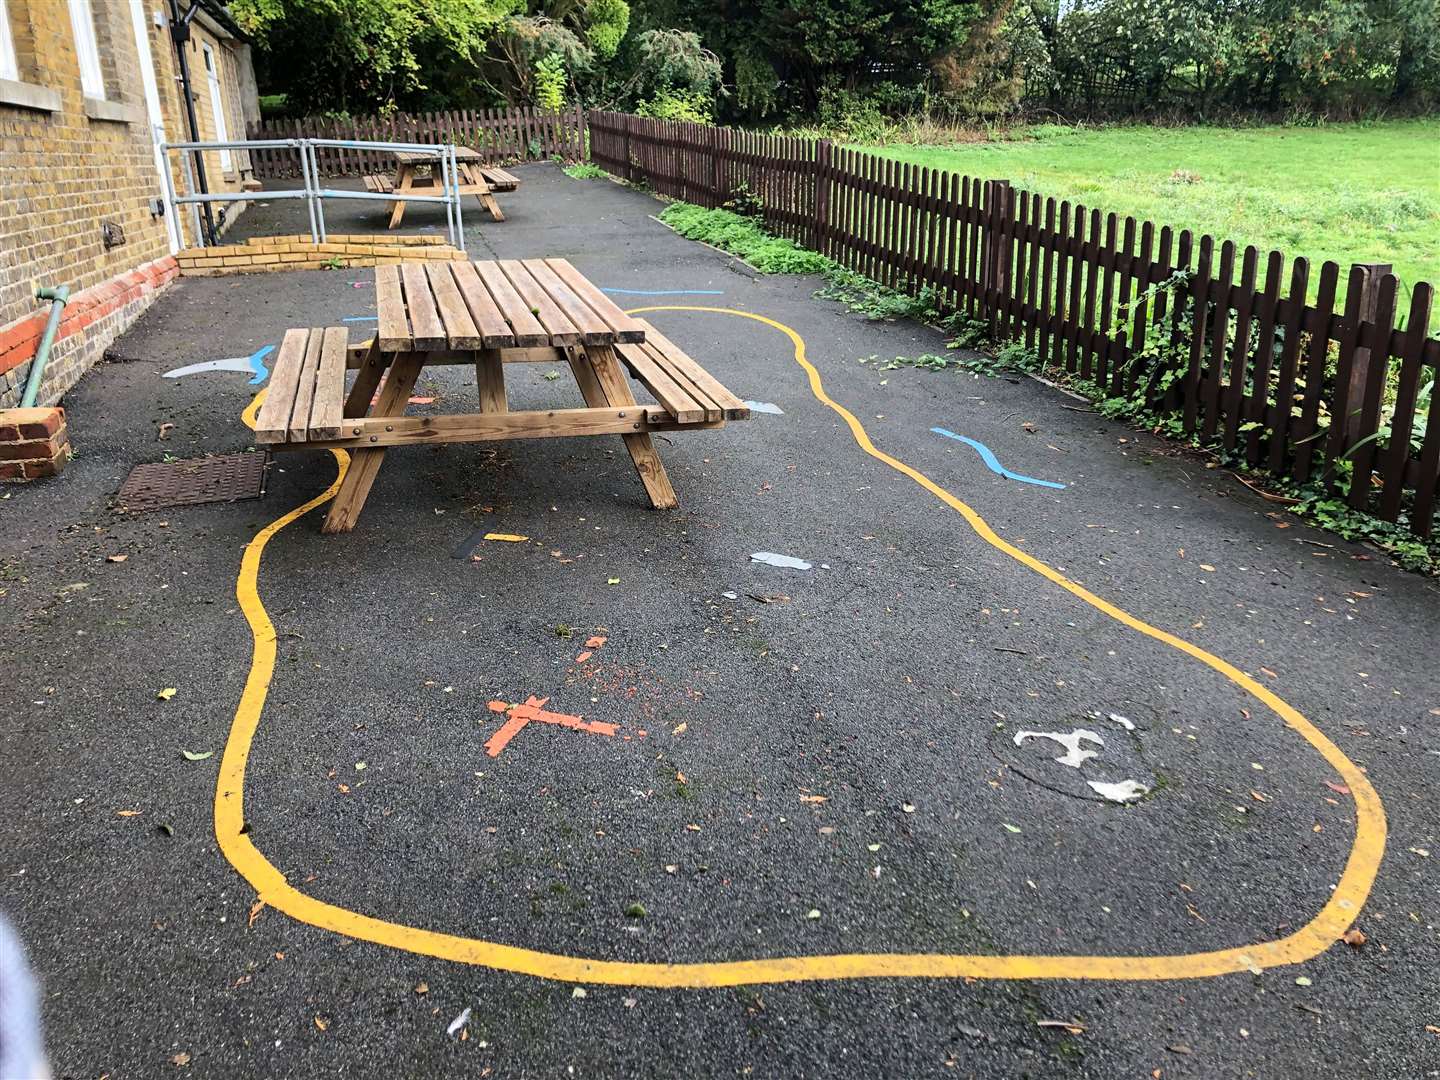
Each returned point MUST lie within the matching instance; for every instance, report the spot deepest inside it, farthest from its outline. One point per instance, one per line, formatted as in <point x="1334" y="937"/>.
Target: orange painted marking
<point x="499" y="706"/>
<point x="533" y="709"/>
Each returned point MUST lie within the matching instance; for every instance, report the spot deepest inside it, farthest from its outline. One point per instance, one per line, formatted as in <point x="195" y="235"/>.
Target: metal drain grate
<point x="223" y="478"/>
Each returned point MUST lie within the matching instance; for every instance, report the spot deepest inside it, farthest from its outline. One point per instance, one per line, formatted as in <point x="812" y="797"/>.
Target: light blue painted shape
<point x="665" y="292"/>
<point x="993" y="463"/>
<point x="765" y="407"/>
<point x="361" y="318"/>
<point x="254" y="364"/>
<point x="257" y="364"/>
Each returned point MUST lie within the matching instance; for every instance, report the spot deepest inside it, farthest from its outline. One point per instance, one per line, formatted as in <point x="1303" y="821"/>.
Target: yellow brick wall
<point x="63" y="174"/>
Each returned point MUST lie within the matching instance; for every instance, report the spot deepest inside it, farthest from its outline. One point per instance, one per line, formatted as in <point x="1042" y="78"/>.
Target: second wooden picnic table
<point x="475" y="178"/>
<point x="488" y="314"/>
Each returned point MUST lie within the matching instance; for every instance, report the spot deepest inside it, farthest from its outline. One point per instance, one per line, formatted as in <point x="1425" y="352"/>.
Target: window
<point x="9" y="69"/>
<point x="87" y="50"/>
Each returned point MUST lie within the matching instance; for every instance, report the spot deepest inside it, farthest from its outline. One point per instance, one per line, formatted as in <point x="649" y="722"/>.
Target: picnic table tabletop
<point x="417" y="157"/>
<point x="494" y="304"/>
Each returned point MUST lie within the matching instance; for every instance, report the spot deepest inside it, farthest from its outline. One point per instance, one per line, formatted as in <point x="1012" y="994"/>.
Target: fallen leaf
<point x="509" y="538"/>
<point x="594" y="642"/>
<point x="1207" y="568"/>
<point x="578" y="992"/>
<point x="192" y="756"/>
<point x="1422" y="852"/>
<point x="360" y="766"/>
<point x="255" y="910"/>
<point x="908" y="808"/>
<point x="1303" y="980"/>
<point x="1339" y="789"/>
<point x="814" y="798"/>
<point x="344" y="789"/>
<point x="693" y="827"/>
<point x="1068" y="1025"/>
<point x="1267" y="671"/>
<point x="1259" y="796"/>
<point x="873" y="847"/>
<point x="182" y="1059"/>
<point x="584" y="656"/>
<point x="128" y="813"/>
<point x="813" y="913"/>
<point x="116" y="558"/>
<point x="422" y="988"/>
<point x="1354" y="936"/>
<point x="322" y="1023"/>
<point x="629" y="1003"/>
<point x="612" y="581"/>
<point x="167" y="693"/>
<point x="1011" y="828"/>
<point x="679" y="729"/>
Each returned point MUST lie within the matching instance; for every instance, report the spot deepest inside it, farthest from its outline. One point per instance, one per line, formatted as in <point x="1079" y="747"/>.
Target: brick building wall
<point x="70" y="164"/>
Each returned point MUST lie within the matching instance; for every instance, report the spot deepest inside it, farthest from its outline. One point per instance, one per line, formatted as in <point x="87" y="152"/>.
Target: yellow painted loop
<point x="1334" y="917"/>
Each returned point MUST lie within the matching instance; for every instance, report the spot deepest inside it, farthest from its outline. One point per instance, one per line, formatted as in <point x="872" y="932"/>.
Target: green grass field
<point x="1347" y="192"/>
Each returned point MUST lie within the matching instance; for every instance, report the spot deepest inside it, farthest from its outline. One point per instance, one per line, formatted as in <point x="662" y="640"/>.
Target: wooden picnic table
<point x="475" y="178"/>
<point x="488" y="314"/>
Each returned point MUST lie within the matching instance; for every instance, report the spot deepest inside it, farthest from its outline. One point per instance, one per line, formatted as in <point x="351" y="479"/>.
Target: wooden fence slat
<point x="1398" y="455"/>
<point x="1363" y="452"/>
<point x="1240" y="353"/>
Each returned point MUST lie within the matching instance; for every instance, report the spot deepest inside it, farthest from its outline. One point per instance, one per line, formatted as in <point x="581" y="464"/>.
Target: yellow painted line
<point x="1334" y="917"/>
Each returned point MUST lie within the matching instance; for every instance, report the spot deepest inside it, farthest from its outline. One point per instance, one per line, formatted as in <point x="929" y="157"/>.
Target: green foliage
<point x="1206" y="55"/>
<point x="744" y="201"/>
<point x="925" y="362"/>
<point x="363" y="55"/>
<point x="743" y="237"/>
<point x="585" y="171"/>
<point x="876" y="301"/>
<point x="689" y="106"/>
<point x="550" y="83"/>
<point x="606" y="24"/>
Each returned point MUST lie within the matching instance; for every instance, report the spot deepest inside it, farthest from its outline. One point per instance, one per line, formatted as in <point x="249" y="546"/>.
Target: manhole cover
<point x="223" y="478"/>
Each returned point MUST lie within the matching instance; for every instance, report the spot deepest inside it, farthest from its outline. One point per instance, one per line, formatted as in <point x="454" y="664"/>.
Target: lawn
<point x="1347" y="192"/>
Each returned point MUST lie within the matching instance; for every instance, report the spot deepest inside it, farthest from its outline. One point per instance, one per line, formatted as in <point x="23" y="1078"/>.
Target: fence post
<point x="820" y="227"/>
<point x="995" y="267"/>
<point x="1360" y="369"/>
<point x="629" y="175"/>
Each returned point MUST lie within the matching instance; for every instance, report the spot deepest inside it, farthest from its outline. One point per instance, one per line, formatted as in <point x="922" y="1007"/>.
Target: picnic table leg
<point x="367" y="378"/>
<point x="490" y="381"/>
<point x="364" y="464"/>
<point x="403" y="178"/>
<point x="476" y="179"/>
<point x="603" y="383"/>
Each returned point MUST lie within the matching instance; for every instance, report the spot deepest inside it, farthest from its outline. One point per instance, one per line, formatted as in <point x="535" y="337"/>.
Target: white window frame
<point x="217" y="105"/>
<point x="9" y="65"/>
<point x="87" y="49"/>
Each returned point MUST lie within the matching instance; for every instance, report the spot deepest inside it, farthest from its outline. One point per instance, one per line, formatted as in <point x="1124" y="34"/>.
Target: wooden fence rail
<point x="1247" y="355"/>
<point x="500" y="135"/>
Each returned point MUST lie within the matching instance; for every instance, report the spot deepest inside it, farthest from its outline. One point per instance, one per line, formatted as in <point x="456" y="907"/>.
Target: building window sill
<point x="25" y="95"/>
<point x="111" y="112"/>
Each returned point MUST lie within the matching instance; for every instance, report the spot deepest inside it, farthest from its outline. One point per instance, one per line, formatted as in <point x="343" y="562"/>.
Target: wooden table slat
<point x="626" y="328"/>
<point x="527" y="329"/>
<point x="685" y="408"/>
<point x="274" y="418"/>
<point x="305" y="388"/>
<point x="328" y="407"/>
<point x="561" y="330"/>
<point x="676" y="359"/>
<point x="593" y="329"/>
<point x="394" y="329"/>
<point x="429" y="331"/>
<point x="495" y="332"/>
<point x="460" y="328"/>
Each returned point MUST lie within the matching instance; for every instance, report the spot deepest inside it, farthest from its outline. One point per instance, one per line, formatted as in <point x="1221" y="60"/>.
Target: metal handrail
<point x="313" y="194"/>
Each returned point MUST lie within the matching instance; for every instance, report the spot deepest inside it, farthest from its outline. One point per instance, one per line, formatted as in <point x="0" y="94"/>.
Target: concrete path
<point x="829" y="835"/>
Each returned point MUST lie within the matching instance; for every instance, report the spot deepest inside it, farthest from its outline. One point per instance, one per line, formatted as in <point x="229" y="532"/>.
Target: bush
<point x="687" y="106"/>
<point x="744" y="237"/>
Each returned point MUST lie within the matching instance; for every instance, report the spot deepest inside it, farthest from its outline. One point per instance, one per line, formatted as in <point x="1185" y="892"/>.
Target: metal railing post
<point x="201" y="239"/>
<point x="172" y="208"/>
<point x="322" y="234"/>
<point x="299" y="145"/>
<point x="459" y="241"/>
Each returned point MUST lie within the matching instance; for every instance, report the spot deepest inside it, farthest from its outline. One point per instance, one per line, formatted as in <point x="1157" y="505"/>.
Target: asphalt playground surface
<point x="805" y="763"/>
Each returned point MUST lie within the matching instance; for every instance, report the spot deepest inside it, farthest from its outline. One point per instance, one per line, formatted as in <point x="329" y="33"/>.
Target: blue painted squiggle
<point x="257" y="364"/>
<point x="993" y="463"/>
<point x="665" y="292"/>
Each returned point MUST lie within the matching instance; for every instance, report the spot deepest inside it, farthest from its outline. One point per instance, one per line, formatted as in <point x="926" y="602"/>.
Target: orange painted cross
<point x="533" y="709"/>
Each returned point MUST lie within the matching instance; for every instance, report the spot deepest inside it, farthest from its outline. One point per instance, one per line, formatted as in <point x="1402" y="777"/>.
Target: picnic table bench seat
<point x="683" y="388"/>
<point x="305" y="401"/>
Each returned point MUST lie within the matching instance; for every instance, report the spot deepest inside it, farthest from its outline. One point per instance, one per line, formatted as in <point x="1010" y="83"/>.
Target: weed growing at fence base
<point x="584" y="171"/>
<point x="1348" y="192"/>
<point x="743" y="237"/>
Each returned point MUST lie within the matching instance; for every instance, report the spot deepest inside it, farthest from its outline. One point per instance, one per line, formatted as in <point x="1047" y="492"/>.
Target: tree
<point x="364" y="55"/>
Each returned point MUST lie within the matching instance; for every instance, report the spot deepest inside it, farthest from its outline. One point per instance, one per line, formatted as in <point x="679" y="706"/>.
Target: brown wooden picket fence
<point x="1248" y="356"/>
<point x="500" y="135"/>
